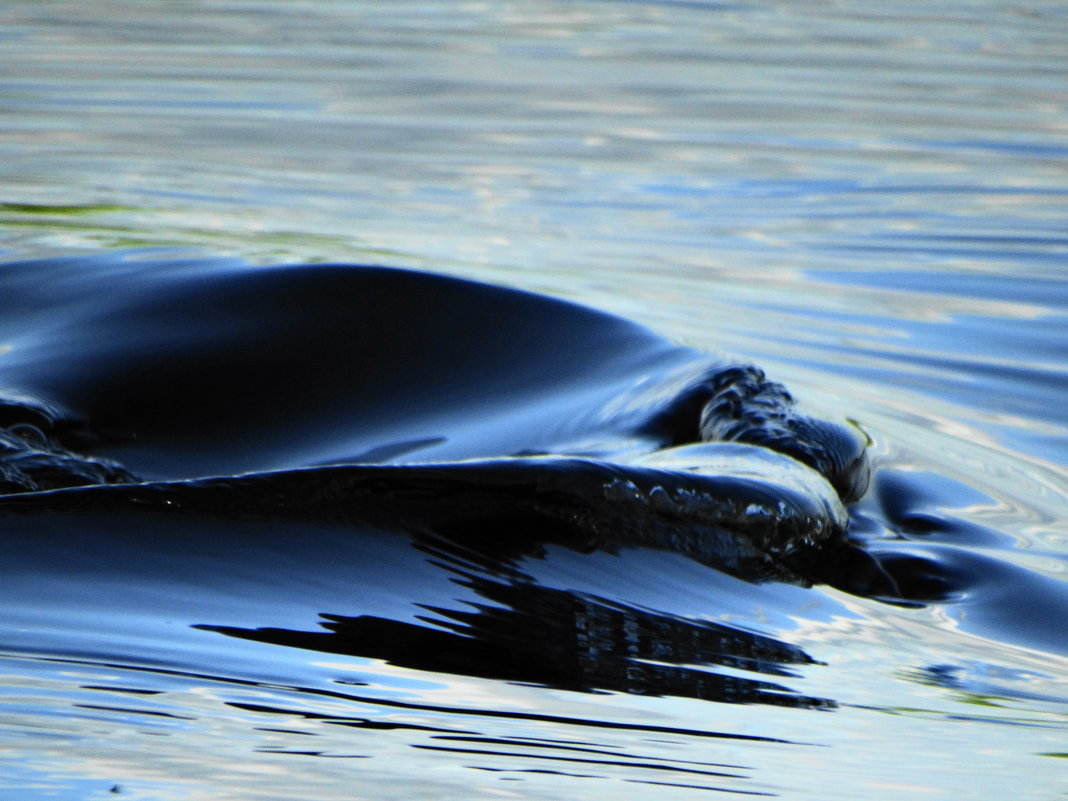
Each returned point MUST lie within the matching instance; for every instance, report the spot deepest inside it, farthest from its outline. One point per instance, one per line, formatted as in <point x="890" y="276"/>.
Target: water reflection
<point x="524" y="632"/>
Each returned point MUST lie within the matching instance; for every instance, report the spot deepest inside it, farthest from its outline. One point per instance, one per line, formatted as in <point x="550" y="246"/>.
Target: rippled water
<point x="868" y="200"/>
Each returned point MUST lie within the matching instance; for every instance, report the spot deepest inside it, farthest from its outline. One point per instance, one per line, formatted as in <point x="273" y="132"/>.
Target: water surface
<point x="867" y="203"/>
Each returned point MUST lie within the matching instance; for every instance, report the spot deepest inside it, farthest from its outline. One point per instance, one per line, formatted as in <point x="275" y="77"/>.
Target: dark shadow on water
<point x="528" y="633"/>
<point x="421" y="600"/>
<point x="531" y="634"/>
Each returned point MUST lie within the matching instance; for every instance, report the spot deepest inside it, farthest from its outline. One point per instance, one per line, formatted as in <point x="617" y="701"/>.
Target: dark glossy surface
<point x="312" y="365"/>
<point x="197" y="367"/>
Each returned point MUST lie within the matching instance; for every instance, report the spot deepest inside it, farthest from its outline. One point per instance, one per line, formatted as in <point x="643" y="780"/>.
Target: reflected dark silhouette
<point x="532" y="634"/>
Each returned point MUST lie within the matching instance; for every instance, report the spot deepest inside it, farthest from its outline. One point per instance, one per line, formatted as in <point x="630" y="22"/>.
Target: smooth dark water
<point x="870" y="204"/>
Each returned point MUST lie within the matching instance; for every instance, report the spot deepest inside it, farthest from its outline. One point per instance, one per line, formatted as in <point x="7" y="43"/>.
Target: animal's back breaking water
<point x="192" y="370"/>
